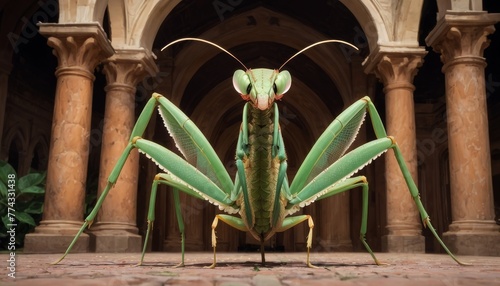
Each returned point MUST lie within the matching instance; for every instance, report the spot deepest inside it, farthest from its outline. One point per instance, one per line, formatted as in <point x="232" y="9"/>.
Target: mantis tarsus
<point x="260" y="192"/>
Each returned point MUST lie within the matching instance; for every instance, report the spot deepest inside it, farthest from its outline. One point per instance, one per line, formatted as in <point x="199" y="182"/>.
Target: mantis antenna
<point x="233" y="56"/>
<point x="207" y="42"/>
<point x="315" y="44"/>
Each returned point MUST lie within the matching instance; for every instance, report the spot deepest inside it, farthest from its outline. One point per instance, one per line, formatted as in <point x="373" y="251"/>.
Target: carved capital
<point x="462" y="36"/>
<point x="80" y="46"/>
<point x="398" y="70"/>
<point x="460" y="42"/>
<point x="129" y="67"/>
<point x="394" y="65"/>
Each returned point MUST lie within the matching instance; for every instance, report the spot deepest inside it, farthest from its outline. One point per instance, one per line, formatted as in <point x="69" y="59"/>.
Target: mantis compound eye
<point x="282" y="83"/>
<point x="241" y="82"/>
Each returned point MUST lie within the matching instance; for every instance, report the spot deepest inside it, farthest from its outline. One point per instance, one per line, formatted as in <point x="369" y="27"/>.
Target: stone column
<point x="115" y="229"/>
<point x="79" y="48"/>
<point x="461" y="38"/>
<point x="397" y="70"/>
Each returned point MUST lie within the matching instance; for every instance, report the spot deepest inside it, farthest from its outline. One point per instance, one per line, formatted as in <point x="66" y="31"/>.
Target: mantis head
<point x="262" y="86"/>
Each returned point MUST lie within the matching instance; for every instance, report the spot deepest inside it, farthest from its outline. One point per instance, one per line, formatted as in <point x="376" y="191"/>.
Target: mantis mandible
<point x="260" y="193"/>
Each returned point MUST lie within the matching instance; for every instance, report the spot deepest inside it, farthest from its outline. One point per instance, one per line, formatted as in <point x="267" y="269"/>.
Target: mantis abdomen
<point x="262" y="172"/>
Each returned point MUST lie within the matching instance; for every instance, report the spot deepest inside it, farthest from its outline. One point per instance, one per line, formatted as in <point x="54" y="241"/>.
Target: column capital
<point x="462" y="36"/>
<point x="79" y="46"/>
<point x="127" y="67"/>
<point x="395" y="66"/>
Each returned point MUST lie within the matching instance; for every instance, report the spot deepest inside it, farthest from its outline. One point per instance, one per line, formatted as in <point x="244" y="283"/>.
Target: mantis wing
<point x="331" y="145"/>
<point x="193" y="145"/>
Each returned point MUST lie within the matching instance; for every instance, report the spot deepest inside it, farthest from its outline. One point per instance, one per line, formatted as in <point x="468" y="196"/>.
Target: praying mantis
<point x="260" y="193"/>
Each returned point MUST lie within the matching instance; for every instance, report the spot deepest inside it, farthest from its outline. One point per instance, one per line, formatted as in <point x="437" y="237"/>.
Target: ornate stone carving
<point x="129" y="67"/>
<point x="82" y="46"/>
<point x="462" y="41"/>
<point x="398" y="71"/>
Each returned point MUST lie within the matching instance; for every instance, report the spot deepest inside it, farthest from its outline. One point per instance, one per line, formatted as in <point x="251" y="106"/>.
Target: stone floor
<point x="241" y="269"/>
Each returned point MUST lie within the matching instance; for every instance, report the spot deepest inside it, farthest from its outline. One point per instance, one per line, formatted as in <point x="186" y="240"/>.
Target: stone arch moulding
<point x="407" y="22"/>
<point x="387" y="23"/>
<point x="290" y="32"/>
<point x="134" y="24"/>
<point x="370" y="16"/>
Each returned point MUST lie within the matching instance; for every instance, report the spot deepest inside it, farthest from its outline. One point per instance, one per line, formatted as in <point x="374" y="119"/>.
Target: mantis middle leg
<point x="167" y="179"/>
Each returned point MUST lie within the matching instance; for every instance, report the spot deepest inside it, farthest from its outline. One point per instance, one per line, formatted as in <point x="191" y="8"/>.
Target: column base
<point x="403" y="243"/>
<point x="115" y="237"/>
<point x="473" y="238"/>
<point x="54" y="236"/>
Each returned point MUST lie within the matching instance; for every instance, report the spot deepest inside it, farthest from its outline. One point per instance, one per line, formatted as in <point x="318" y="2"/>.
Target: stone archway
<point x="208" y="110"/>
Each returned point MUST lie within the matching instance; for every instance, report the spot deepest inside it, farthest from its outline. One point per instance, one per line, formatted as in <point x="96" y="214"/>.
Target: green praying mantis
<point x="260" y="193"/>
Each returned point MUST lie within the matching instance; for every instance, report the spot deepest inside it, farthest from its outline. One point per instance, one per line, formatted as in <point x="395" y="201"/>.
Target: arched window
<point x="40" y="156"/>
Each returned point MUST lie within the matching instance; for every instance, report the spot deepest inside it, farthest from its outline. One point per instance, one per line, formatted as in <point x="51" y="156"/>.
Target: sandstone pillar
<point x="79" y="48"/>
<point x="461" y="38"/>
<point x="115" y="229"/>
<point x="397" y="70"/>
